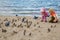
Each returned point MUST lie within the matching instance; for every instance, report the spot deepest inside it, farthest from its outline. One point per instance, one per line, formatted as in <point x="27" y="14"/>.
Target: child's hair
<point x="51" y="9"/>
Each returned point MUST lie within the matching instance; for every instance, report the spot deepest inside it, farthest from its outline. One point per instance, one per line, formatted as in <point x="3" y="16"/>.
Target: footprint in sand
<point x="29" y="34"/>
<point x="24" y="32"/>
<point x="0" y="26"/>
<point x="15" y="20"/>
<point x="20" y="25"/>
<point x="14" y="24"/>
<point x="38" y="26"/>
<point x="34" y="25"/>
<point x="12" y="20"/>
<point x="1" y="22"/>
<point x="29" y="24"/>
<point x="53" y="26"/>
<point x="49" y="30"/>
<point x="37" y="22"/>
<point x="14" y="32"/>
<point x="3" y="30"/>
<point x="23" y="19"/>
<point x="6" y="19"/>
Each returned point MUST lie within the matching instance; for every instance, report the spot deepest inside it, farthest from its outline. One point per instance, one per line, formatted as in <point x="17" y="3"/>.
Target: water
<point x="27" y="7"/>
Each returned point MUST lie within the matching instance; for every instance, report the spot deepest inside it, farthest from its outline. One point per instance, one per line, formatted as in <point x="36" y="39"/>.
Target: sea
<point x="27" y="7"/>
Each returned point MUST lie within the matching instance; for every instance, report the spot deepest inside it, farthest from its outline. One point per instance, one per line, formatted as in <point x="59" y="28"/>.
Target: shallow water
<point x="12" y="7"/>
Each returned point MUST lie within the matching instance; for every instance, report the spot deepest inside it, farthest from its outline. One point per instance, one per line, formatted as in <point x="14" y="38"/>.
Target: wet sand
<point x="27" y="28"/>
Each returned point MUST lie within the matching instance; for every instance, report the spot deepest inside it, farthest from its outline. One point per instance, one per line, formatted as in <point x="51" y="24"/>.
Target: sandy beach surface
<point x="27" y="28"/>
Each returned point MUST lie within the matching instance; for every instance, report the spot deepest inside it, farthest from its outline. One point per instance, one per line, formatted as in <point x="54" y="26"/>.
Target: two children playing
<point x="53" y="15"/>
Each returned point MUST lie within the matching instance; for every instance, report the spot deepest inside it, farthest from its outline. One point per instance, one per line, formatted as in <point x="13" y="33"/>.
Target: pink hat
<point x="43" y="10"/>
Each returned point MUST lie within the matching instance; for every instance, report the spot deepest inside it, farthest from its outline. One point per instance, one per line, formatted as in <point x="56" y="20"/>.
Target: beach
<point x="21" y="20"/>
<point x="28" y="28"/>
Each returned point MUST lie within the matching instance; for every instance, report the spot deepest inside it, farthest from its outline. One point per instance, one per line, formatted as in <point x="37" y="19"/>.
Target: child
<point x="53" y="16"/>
<point x="44" y="15"/>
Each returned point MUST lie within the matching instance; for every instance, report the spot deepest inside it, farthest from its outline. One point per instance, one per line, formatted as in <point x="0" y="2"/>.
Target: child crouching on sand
<point x="44" y="15"/>
<point x="53" y="16"/>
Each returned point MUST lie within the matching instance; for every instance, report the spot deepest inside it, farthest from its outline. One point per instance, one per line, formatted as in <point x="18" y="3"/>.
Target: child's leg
<point x="45" y="19"/>
<point x="52" y="20"/>
<point x="42" y="18"/>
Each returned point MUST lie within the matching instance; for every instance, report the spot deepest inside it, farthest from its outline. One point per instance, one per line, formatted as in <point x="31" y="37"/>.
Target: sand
<point x="27" y="28"/>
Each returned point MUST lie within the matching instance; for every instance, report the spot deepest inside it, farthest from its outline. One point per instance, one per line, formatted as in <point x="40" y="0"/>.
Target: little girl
<point x="53" y="16"/>
<point x="44" y="15"/>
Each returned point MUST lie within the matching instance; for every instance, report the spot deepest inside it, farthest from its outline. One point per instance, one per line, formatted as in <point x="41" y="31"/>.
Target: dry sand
<point x="27" y="28"/>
